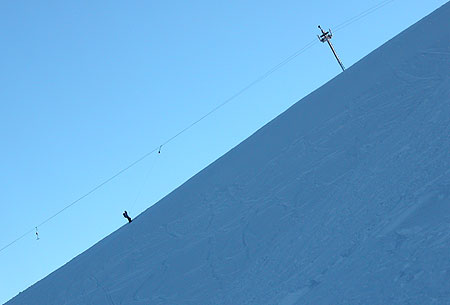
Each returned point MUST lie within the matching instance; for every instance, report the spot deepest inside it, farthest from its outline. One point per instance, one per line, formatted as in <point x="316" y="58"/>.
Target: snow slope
<point x="342" y="199"/>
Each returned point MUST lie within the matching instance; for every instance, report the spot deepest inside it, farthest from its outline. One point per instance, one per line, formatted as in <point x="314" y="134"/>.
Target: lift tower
<point x="326" y="36"/>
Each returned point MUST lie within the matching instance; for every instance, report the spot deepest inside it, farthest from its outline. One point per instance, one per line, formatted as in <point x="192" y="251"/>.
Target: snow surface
<point x="342" y="199"/>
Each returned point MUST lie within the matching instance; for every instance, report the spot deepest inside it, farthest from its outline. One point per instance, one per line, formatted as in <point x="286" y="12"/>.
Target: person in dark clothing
<point x="125" y="214"/>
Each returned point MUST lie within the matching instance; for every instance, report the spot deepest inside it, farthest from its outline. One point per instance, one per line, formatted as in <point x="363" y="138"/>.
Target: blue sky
<point x="89" y="87"/>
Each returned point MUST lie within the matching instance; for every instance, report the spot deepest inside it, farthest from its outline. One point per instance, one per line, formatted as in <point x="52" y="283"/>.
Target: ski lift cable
<point x="234" y="96"/>
<point x="147" y="175"/>
<point x="361" y="15"/>
<point x="99" y="186"/>
<point x="228" y="100"/>
<point x="82" y="197"/>
<point x="253" y="83"/>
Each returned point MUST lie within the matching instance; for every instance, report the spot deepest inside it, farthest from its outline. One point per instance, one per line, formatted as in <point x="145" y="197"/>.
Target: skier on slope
<point x="125" y="214"/>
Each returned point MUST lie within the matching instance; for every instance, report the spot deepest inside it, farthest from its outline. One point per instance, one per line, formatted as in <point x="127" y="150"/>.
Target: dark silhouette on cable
<point x="125" y="214"/>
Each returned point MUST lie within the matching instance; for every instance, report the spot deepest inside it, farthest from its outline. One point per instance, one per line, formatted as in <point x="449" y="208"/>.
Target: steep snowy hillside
<point x="342" y="199"/>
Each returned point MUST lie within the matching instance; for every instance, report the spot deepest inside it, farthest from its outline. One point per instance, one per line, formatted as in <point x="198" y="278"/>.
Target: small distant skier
<point x="125" y="214"/>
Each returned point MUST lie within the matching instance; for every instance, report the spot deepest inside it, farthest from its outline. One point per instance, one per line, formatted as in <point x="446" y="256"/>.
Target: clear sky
<point x="87" y="87"/>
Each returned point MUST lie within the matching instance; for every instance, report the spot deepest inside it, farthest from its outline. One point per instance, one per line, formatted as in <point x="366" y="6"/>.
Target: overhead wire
<point x="225" y="102"/>
<point x="82" y="197"/>
<point x="361" y="15"/>
<point x="141" y="188"/>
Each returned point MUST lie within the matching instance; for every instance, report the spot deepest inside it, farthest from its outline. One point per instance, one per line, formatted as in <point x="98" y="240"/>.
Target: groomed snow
<point x="342" y="199"/>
